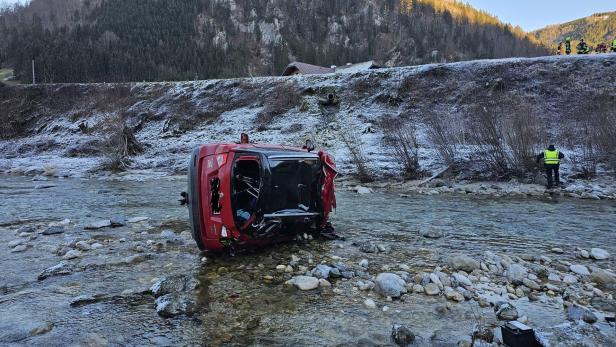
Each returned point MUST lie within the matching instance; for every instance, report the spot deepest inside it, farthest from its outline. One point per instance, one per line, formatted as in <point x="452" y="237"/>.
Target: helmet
<point x="581" y="40"/>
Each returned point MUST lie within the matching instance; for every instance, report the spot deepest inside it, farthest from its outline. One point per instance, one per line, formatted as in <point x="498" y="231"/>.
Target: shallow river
<point x="236" y="306"/>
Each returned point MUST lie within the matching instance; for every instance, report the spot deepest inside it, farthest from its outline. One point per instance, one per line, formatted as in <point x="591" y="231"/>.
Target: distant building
<point x="297" y="68"/>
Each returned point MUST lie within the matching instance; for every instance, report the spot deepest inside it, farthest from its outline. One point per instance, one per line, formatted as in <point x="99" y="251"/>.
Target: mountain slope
<point x="116" y="40"/>
<point x="595" y="29"/>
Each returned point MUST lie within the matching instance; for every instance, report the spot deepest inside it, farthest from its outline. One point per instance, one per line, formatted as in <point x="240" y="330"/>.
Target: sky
<point x="529" y="14"/>
<point x="536" y="14"/>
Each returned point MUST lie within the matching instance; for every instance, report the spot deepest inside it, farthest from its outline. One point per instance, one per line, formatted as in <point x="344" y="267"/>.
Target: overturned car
<point x="243" y="195"/>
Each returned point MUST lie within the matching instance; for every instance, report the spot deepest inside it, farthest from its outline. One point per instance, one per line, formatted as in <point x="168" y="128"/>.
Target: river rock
<point x="580" y="313"/>
<point x="418" y="288"/>
<point x="579" y="269"/>
<point x="402" y="335"/>
<point x="368" y="247"/>
<point x="72" y="254"/>
<point x="505" y="311"/>
<point x="364" y="263"/>
<point x="431" y="289"/>
<point x="570" y="334"/>
<point x="85" y="300"/>
<point x="363" y="190"/>
<point x="517" y="273"/>
<point x="53" y="230"/>
<point x="602" y="277"/>
<point x="171" y="305"/>
<point x="16" y="242"/>
<point x="599" y="254"/>
<point x="19" y="248"/>
<point x="96" y="245"/>
<point x="98" y="225"/>
<point x="25" y="229"/>
<point x="464" y="263"/>
<point x="462" y="280"/>
<point x="431" y="232"/>
<point x="389" y="284"/>
<point x="569" y="279"/>
<point x="436" y="280"/>
<point x="60" y="269"/>
<point x="451" y="294"/>
<point x="483" y="333"/>
<point x="83" y="246"/>
<point x="137" y="219"/>
<point x="531" y="284"/>
<point x="117" y="221"/>
<point x="552" y="277"/>
<point x="321" y="271"/>
<point x="174" y="284"/>
<point x="369" y="303"/>
<point x="304" y="282"/>
<point x="584" y="254"/>
<point x="323" y="283"/>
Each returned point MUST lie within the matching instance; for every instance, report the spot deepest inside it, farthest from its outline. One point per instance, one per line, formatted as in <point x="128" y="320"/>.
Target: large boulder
<point x="389" y="284"/>
<point x="464" y="263"/>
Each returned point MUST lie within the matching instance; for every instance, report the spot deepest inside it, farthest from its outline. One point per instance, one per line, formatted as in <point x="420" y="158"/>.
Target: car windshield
<point x="294" y="184"/>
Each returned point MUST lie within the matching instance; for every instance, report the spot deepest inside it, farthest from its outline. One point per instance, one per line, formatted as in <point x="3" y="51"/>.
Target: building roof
<point x="309" y="69"/>
<point x="306" y="69"/>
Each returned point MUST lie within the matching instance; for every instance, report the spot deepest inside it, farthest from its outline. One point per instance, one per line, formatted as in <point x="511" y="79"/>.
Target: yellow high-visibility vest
<point x="551" y="157"/>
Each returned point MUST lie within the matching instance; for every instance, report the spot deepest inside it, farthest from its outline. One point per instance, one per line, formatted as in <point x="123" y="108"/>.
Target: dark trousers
<point x="549" y="169"/>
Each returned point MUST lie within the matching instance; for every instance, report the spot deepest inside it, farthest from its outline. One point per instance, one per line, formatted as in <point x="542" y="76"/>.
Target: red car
<point x="244" y="195"/>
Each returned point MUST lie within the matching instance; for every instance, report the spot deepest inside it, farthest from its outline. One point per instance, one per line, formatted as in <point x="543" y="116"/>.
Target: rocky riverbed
<point x="111" y="262"/>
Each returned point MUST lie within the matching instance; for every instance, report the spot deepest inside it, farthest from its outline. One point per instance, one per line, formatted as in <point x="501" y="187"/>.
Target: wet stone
<point x="431" y="289"/>
<point x="19" y="248"/>
<point x="368" y="247"/>
<point x="431" y="232"/>
<point x="580" y="270"/>
<point x="25" y="229"/>
<point x="517" y="273"/>
<point x="579" y="313"/>
<point x="321" y="271"/>
<point x="402" y="335"/>
<point x="72" y="254"/>
<point x="304" y="282"/>
<point x="570" y="279"/>
<point x="53" y="230"/>
<point x="599" y="254"/>
<point x="369" y="303"/>
<point x="171" y="305"/>
<point x="464" y="263"/>
<point x="505" y="311"/>
<point x="364" y="263"/>
<point x="389" y="284"/>
<point x="602" y="277"/>
<point x="83" y="246"/>
<point x="174" y="284"/>
<point x="82" y="300"/>
<point x="16" y="242"/>
<point x="60" y="269"/>
<point x="98" y="225"/>
<point x="117" y="221"/>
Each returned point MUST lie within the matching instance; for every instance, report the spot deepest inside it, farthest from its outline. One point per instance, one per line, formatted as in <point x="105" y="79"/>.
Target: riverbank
<point x="436" y="265"/>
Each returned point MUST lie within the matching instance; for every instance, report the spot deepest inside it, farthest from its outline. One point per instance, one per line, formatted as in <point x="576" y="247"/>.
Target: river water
<point x="236" y="306"/>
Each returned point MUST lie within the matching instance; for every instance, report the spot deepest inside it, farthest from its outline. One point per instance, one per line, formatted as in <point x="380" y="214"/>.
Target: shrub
<point x="120" y="143"/>
<point x="278" y="100"/>
<point x="441" y="136"/>
<point x="508" y="136"/>
<point x="401" y="139"/>
<point x="353" y="144"/>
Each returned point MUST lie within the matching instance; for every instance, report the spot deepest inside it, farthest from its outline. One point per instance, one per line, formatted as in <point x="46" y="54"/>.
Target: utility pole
<point x="33" y="76"/>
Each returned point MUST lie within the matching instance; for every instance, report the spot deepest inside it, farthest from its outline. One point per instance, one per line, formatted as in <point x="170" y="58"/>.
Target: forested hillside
<point x="154" y="40"/>
<point x="595" y="29"/>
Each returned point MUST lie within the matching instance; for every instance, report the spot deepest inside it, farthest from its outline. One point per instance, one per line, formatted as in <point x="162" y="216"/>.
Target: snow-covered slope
<point x="62" y="126"/>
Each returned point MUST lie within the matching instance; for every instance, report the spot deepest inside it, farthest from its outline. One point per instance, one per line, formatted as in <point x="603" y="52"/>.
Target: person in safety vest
<point x="582" y="47"/>
<point x="614" y="45"/>
<point x="551" y="161"/>
<point x="568" y="45"/>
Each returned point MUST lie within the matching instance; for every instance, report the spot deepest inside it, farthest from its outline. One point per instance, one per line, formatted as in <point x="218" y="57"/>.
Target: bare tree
<point x="401" y="139"/>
